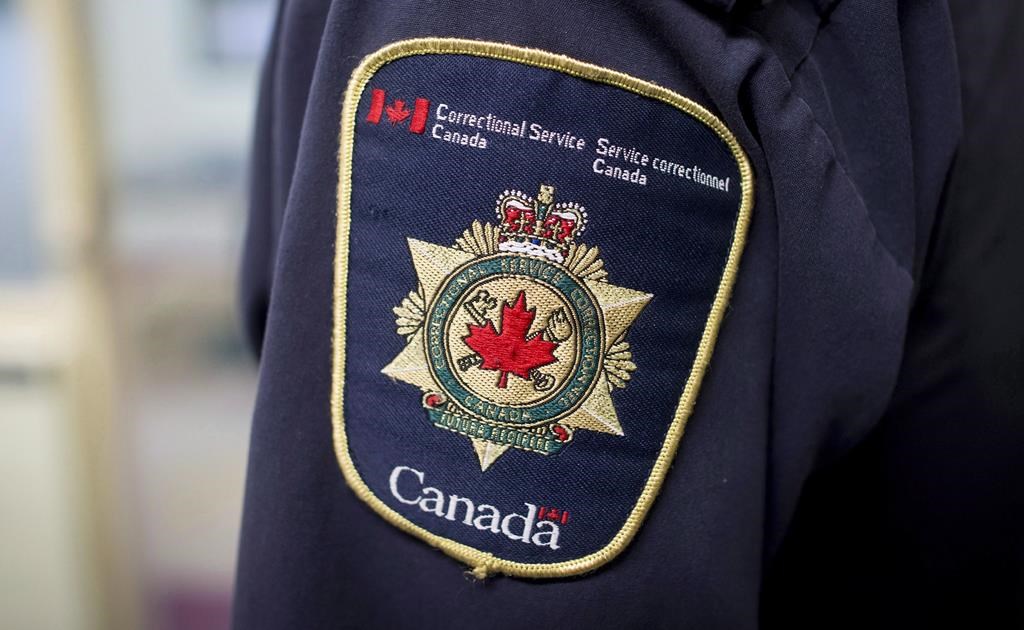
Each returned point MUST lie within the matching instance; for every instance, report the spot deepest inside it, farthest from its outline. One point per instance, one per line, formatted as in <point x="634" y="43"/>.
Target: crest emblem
<point x="511" y="382"/>
<point x="515" y="335"/>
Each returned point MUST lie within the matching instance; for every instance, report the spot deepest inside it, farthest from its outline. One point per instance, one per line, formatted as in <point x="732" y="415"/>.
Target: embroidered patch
<point x="533" y="258"/>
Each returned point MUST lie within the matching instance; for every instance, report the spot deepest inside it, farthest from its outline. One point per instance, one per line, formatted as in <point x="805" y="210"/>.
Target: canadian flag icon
<point x="397" y="111"/>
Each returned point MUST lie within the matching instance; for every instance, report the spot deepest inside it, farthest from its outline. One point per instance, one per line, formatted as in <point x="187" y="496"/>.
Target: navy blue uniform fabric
<point x="849" y="111"/>
<point x="922" y="525"/>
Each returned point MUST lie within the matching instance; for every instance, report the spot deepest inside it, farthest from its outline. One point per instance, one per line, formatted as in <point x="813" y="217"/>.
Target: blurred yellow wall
<point x="125" y="393"/>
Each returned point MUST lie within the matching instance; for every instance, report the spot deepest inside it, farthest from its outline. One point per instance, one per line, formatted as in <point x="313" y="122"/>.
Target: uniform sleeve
<point x="388" y="456"/>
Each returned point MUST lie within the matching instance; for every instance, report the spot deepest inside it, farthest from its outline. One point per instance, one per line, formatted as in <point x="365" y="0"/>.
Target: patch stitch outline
<point x="485" y="563"/>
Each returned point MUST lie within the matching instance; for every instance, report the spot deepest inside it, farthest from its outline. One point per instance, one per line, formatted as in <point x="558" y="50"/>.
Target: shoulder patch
<point x="533" y="258"/>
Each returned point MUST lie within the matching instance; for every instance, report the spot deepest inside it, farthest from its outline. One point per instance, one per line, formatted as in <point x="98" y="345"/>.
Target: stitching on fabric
<point x="484" y="563"/>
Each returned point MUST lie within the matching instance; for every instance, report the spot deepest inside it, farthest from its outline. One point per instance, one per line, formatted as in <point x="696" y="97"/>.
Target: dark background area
<point x="920" y="525"/>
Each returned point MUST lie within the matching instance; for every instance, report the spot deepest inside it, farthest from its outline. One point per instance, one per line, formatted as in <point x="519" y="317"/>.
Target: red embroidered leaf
<point x="397" y="112"/>
<point x="510" y="350"/>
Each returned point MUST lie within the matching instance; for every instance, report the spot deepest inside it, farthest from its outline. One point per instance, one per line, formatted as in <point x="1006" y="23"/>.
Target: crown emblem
<point x="538" y="227"/>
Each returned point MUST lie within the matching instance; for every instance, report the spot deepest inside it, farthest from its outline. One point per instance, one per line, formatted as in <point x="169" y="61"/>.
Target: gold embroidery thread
<point x="581" y="259"/>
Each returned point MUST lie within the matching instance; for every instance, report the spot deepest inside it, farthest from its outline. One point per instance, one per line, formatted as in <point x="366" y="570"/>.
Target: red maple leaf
<point x="397" y="112"/>
<point x="511" y="350"/>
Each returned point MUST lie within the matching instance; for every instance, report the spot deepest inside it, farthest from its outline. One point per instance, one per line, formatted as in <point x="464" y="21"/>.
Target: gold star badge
<point x="514" y="335"/>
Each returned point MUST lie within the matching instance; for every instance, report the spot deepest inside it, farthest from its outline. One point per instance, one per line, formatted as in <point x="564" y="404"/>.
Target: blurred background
<point x="125" y="389"/>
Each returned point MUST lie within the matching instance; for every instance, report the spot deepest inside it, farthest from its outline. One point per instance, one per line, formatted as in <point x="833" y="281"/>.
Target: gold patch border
<point x="485" y="563"/>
